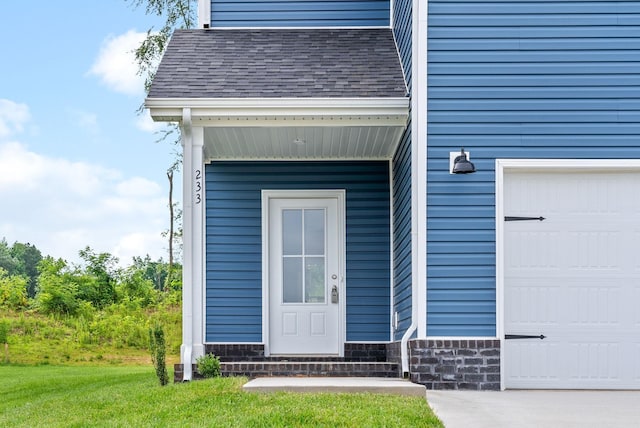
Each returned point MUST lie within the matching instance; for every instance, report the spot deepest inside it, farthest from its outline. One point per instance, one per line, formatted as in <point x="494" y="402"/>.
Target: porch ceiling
<point x="292" y="129"/>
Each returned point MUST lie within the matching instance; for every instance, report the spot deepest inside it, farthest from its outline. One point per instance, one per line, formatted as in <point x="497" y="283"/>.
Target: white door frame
<point x="339" y="195"/>
<point x="541" y="165"/>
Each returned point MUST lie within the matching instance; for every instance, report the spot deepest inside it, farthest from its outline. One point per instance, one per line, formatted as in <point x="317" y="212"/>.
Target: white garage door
<point x="574" y="278"/>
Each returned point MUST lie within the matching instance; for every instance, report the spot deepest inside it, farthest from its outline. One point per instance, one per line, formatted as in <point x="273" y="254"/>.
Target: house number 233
<point x="198" y="186"/>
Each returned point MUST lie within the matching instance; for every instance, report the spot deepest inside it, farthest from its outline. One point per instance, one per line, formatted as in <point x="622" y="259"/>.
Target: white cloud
<point x="62" y="206"/>
<point x="13" y="117"/>
<point x="116" y="66"/>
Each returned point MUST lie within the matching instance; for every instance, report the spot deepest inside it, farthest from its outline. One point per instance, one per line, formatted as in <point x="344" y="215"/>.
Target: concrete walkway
<point x="335" y="384"/>
<point x="548" y="409"/>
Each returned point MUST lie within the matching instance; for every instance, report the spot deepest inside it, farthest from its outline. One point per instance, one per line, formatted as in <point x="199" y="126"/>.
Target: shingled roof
<point x="291" y="63"/>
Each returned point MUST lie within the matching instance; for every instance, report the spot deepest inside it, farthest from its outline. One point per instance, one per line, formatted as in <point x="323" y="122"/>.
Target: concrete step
<point x="336" y="384"/>
<point x="255" y="369"/>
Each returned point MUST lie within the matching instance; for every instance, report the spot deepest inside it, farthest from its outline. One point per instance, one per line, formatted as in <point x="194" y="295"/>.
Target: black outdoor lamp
<point x="462" y="165"/>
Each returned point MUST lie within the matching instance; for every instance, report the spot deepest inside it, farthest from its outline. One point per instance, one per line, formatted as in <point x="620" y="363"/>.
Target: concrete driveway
<point x="548" y="409"/>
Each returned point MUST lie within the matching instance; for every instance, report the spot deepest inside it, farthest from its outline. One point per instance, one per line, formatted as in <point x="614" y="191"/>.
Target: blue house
<point x="325" y="231"/>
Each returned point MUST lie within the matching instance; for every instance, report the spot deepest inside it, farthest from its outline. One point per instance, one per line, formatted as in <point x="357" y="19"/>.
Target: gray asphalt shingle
<point x="292" y="63"/>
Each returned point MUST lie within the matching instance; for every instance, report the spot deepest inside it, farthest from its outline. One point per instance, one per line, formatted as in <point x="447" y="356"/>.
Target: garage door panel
<point x="575" y="278"/>
<point x="532" y="307"/>
<point x="532" y="362"/>
<point x="593" y="305"/>
<point x="593" y="361"/>
<point x="532" y="250"/>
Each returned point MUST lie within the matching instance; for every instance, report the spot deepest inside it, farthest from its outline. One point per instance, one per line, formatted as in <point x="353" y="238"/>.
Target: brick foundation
<point x="455" y="364"/>
<point x="237" y="352"/>
<point x="360" y="359"/>
<point x="437" y="364"/>
<point x="394" y="354"/>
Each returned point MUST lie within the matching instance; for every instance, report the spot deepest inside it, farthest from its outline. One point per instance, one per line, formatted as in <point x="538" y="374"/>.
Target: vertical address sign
<point x="198" y="186"/>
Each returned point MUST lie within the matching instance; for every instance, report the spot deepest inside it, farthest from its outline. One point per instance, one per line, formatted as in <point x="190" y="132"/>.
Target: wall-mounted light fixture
<point x="459" y="163"/>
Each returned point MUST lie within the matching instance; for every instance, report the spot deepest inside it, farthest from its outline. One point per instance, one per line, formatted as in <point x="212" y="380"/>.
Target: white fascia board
<point x="277" y="111"/>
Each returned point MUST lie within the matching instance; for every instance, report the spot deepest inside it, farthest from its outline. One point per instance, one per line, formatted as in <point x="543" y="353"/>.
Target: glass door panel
<point x="303" y="255"/>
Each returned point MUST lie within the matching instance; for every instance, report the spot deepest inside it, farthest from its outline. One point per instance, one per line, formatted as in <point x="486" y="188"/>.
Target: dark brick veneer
<point x="437" y="364"/>
<point x="455" y="364"/>
<point x="360" y="359"/>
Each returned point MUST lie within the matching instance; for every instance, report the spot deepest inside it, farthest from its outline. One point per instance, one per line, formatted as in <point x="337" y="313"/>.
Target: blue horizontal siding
<point x="402" y="303"/>
<point x="402" y="23"/>
<point x="234" y="243"/>
<point x="299" y="13"/>
<point x="402" y="31"/>
<point x="515" y="79"/>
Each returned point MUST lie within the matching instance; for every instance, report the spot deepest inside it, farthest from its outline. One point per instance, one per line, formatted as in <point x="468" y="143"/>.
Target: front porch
<point x="287" y="195"/>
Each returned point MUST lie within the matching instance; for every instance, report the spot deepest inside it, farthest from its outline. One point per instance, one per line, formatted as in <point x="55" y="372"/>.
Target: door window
<point x="303" y="255"/>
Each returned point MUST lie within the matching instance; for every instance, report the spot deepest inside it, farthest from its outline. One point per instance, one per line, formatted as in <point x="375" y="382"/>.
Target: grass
<point x="107" y="338"/>
<point x="80" y="396"/>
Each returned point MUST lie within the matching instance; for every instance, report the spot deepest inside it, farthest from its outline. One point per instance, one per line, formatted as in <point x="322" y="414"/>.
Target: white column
<point x="193" y="244"/>
<point x="187" y="237"/>
<point x="197" y="242"/>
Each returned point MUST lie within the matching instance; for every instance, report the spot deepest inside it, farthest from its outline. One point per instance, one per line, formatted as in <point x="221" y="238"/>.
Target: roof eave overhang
<point x="249" y="112"/>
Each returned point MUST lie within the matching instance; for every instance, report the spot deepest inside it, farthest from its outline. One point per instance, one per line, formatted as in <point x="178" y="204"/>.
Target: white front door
<point x="305" y="278"/>
<point x="573" y="278"/>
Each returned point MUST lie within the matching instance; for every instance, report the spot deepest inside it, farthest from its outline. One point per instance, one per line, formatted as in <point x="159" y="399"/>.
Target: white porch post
<point x="192" y="270"/>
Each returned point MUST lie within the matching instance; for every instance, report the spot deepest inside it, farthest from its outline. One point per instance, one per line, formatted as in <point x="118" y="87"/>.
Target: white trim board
<point x="282" y="111"/>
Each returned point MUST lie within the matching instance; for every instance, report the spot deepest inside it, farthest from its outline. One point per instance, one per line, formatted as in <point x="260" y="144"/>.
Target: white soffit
<point x="305" y="129"/>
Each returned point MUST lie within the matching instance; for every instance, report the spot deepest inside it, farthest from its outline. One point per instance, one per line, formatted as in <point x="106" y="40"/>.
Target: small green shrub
<point x="158" y="353"/>
<point x="4" y="331"/>
<point x="208" y="365"/>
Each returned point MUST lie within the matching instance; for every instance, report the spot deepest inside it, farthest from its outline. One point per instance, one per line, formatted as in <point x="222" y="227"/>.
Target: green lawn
<point x="130" y="396"/>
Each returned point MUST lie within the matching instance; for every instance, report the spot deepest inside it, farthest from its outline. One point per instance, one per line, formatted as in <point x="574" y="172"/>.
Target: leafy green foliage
<point x="118" y="334"/>
<point x="208" y="365"/>
<point x="158" y="353"/>
<point x="28" y="257"/>
<point x="98" y="286"/>
<point x="7" y="261"/>
<point x="13" y="290"/>
<point x="94" y="309"/>
<point x="58" y="288"/>
<point x="4" y="338"/>
<point x="4" y="331"/>
<point x="135" y="288"/>
<point x="177" y="14"/>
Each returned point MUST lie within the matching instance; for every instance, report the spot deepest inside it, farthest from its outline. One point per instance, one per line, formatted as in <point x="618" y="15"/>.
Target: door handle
<point x="334" y="294"/>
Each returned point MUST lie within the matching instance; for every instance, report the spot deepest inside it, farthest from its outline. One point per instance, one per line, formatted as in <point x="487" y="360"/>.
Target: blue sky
<point x="78" y="165"/>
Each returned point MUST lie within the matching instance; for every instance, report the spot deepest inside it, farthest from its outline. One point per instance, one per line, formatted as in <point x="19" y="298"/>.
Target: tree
<point x="28" y="257"/>
<point x="57" y="288"/>
<point x="7" y="261"/>
<point x="177" y="14"/>
<point x="13" y="290"/>
<point x="101" y="273"/>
